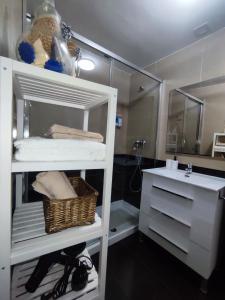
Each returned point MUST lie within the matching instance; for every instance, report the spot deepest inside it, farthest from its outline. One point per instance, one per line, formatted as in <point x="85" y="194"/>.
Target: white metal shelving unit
<point x="218" y="145"/>
<point x="22" y="235"/>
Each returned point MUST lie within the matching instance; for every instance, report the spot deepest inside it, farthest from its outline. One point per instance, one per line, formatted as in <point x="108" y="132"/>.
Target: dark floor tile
<point x="146" y="271"/>
<point x="114" y="291"/>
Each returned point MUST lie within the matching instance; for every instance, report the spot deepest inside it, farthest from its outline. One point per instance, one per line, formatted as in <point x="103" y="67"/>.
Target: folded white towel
<point x="42" y="149"/>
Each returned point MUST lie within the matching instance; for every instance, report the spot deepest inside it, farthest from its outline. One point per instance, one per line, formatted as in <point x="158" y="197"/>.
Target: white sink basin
<point x="196" y="179"/>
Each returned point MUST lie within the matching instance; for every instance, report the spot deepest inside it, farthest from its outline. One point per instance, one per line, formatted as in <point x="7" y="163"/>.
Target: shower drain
<point x="113" y="229"/>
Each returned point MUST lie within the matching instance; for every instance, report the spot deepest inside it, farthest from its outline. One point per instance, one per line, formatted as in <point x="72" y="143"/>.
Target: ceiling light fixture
<point x="187" y="1"/>
<point x="86" y="64"/>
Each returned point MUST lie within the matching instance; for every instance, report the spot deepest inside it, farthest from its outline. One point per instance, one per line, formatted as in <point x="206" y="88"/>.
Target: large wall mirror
<point x="196" y="119"/>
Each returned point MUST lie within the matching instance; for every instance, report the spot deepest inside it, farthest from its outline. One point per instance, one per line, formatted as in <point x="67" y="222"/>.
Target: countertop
<point x="196" y="179"/>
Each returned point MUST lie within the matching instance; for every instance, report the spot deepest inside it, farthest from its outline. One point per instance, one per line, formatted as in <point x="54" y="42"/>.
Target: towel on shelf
<point x="43" y="149"/>
<point x="56" y="184"/>
<point x="63" y="132"/>
<point x="38" y="187"/>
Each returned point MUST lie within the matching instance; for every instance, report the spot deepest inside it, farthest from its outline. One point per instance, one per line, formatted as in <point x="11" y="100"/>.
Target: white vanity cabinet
<point x="183" y="215"/>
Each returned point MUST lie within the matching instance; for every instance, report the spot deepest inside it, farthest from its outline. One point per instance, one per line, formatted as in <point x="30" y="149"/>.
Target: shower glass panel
<point x="100" y="74"/>
<point x="135" y="143"/>
<point x="121" y="79"/>
<point x="137" y="109"/>
<point x="143" y="115"/>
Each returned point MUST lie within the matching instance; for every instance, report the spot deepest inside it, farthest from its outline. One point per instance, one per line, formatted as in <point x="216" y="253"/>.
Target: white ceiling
<point x="142" y="31"/>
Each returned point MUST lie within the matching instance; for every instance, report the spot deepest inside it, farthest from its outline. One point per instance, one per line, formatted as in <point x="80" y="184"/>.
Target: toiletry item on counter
<point x="55" y="185"/>
<point x="168" y="163"/>
<point x="174" y="165"/>
<point x="171" y="164"/>
<point x="63" y="132"/>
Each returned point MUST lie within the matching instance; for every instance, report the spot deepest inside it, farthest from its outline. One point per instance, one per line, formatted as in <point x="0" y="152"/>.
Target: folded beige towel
<point x="38" y="187"/>
<point x="68" y="182"/>
<point x="56" y="184"/>
<point x="62" y="132"/>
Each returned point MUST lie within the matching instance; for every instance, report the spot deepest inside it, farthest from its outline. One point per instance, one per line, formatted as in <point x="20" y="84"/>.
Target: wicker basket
<point x="65" y="213"/>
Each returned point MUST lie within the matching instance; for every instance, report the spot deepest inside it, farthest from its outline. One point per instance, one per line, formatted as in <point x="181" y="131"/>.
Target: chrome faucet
<point x="188" y="170"/>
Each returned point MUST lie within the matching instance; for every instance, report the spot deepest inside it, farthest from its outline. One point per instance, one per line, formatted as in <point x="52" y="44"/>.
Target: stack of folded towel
<point x="44" y="149"/>
<point x="62" y="132"/>
<point x="65" y="143"/>
<point x="55" y="185"/>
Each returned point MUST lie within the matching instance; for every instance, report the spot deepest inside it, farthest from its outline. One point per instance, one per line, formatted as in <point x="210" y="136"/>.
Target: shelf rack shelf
<point x="23" y="271"/>
<point x="30" y="240"/>
<point x="23" y="235"/>
<point x="36" y="84"/>
<point x="34" y="166"/>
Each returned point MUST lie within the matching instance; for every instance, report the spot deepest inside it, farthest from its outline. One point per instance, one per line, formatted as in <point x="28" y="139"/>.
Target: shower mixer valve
<point x="139" y="144"/>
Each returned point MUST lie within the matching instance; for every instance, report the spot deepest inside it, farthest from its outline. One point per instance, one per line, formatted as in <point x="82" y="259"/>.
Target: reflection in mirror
<point x="184" y="123"/>
<point x="196" y="119"/>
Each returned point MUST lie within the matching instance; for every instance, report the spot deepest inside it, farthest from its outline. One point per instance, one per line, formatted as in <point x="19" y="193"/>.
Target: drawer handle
<point x="164" y="190"/>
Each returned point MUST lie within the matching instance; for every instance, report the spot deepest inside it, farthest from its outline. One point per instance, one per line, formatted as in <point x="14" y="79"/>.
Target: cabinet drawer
<point x="144" y="227"/>
<point x="173" y="186"/>
<point x="167" y="228"/>
<point x="177" y="207"/>
<point x="170" y="229"/>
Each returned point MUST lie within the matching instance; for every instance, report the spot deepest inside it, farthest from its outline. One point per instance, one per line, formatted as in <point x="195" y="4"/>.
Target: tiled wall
<point x="200" y="61"/>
